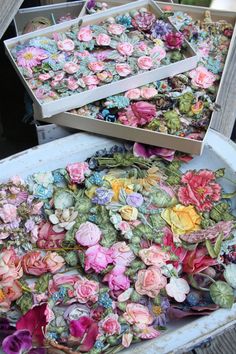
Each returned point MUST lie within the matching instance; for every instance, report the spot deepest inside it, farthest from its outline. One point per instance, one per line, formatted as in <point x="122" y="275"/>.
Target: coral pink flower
<point x="154" y="255"/>
<point x="117" y="280"/>
<point x="138" y="314"/>
<point x="148" y="92"/>
<point x="8" y="213"/>
<point x="97" y="258"/>
<point x="144" y="111"/>
<point x="88" y="234"/>
<point x="85" y="34"/>
<point x="116" y="29"/>
<point x="96" y="66"/>
<point x="44" y="77"/>
<point x="145" y="63"/>
<point x="70" y="67"/>
<point x="30" y="57"/>
<point x="125" y="48"/>
<point x="174" y="40"/>
<point x="127" y="117"/>
<point x="77" y="171"/>
<point x="122" y="254"/>
<point x="90" y="81"/>
<point x="103" y="39"/>
<point x="48" y="238"/>
<point x="33" y="263"/>
<point x="123" y="69"/>
<point x="62" y="279"/>
<point x="197" y="260"/>
<point x="10" y="267"/>
<point x="72" y="84"/>
<point x="133" y="94"/>
<point x="200" y="189"/>
<point x="54" y="262"/>
<point x="110" y="324"/>
<point x="13" y="291"/>
<point x="66" y="45"/>
<point x="150" y="281"/>
<point x="86" y="290"/>
<point x="201" y="77"/>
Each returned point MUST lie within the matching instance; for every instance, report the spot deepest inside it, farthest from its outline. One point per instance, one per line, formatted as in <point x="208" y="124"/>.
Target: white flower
<point x="177" y="288"/>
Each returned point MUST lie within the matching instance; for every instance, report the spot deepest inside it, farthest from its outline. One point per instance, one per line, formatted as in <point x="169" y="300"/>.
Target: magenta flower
<point x="20" y="342"/>
<point x="85" y="328"/>
<point x="148" y="151"/>
<point x="174" y="40"/>
<point x="30" y="57"/>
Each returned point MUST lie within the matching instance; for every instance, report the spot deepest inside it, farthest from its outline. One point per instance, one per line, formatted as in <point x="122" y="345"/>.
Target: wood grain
<point x="8" y="9"/>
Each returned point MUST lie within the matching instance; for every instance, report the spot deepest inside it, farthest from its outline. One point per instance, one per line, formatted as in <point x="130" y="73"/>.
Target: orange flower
<point x="118" y="184"/>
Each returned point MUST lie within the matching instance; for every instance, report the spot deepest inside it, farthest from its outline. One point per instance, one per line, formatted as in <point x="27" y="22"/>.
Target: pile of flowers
<point x="105" y="253"/>
<point x="83" y="58"/>
<point x="181" y="105"/>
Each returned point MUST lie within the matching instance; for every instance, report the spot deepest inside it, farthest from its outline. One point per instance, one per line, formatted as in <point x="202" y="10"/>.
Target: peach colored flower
<point x="110" y="324"/>
<point x="33" y="263"/>
<point x="201" y="77"/>
<point x="148" y="92"/>
<point x="8" y="213"/>
<point x="154" y="255"/>
<point x="145" y="63"/>
<point x="90" y="80"/>
<point x="66" y="45"/>
<point x="116" y="29"/>
<point x="88" y="234"/>
<point x="10" y="267"/>
<point x="133" y="94"/>
<point x="70" y="67"/>
<point x="54" y="262"/>
<point x="123" y="69"/>
<point x="125" y="48"/>
<point x="86" y="290"/>
<point x="13" y="291"/>
<point x="127" y="339"/>
<point x="85" y="34"/>
<point x="62" y="279"/>
<point x="150" y="281"/>
<point x="103" y="39"/>
<point x="96" y="66"/>
<point x="137" y="313"/>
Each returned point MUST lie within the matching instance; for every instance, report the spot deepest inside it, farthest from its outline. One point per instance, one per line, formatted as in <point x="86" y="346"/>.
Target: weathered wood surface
<point x="8" y="9"/>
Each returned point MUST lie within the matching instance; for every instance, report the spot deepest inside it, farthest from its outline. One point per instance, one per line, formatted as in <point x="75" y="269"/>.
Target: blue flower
<point x="105" y="300"/>
<point x="41" y="192"/>
<point x="96" y="179"/>
<point x="98" y="345"/>
<point x="214" y="65"/>
<point x="160" y="29"/>
<point x="124" y="20"/>
<point x="102" y="196"/>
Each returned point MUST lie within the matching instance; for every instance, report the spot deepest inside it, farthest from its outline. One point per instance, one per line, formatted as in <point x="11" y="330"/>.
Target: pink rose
<point x="54" y="262"/>
<point x="96" y="66"/>
<point x="97" y="258"/>
<point x="62" y="279"/>
<point x="86" y="290"/>
<point x="83" y="54"/>
<point x="110" y="324"/>
<point x="127" y="117"/>
<point x="59" y="76"/>
<point x="10" y="267"/>
<point x="137" y="313"/>
<point x="44" y="77"/>
<point x="174" y="40"/>
<point x="85" y="34"/>
<point x="144" y="111"/>
<point x="148" y="92"/>
<point x="116" y="29"/>
<point x="145" y="63"/>
<point x="8" y="213"/>
<point x="103" y="39"/>
<point x="72" y="84"/>
<point x="66" y="45"/>
<point x="124" y="227"/>
<point x="77" y="170"/>
<point x="122" y="254"/>
<point x="159" y="52"/>
<point x="133" y="94"/>
<point x="117" y="280"/>
<point x="70" y="67"/>
<point x="154" y="255"/>
<point x="13" y="292"/>
<point x="150" y="281"/>
<point x="33" y="263"/>
<point x="201" y="77"/>
<point x="123" y="69"/>
<point x="90" y="80"/>
<point x="88" y="234"/>
<point x="125" y="48"/>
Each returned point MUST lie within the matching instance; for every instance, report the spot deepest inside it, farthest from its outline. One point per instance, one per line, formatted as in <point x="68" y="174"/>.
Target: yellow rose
<point x="129" y="213"/>
<point x="197" y="107"/>
<point x="118" y="184"/>
<point x="182" y="220"/>
<point x="90" y="192"/>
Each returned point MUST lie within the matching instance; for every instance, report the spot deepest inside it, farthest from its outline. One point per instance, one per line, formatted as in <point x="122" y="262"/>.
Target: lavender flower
<point x="102" y="196"/>
<point x="160" y="29"/>
<point x="134" y="199"/>
<point x="91" y="4"/>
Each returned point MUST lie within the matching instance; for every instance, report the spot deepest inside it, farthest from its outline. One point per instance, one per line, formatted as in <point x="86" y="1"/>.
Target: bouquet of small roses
<point x="105" y="253"/>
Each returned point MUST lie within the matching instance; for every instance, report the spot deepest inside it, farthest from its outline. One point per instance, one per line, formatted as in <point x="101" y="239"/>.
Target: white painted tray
<point x="218" y="152"/>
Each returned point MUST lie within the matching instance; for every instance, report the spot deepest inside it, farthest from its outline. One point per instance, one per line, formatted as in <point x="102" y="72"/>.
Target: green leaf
<point x="230" y="274"/>
<point x="218" y="244"/>
<point x="41" y="284"/>
<point x="25" y="302"/>
<point x="222" y="294"/>
<point x="210" y="249"/>
<point x="71" y="258"/>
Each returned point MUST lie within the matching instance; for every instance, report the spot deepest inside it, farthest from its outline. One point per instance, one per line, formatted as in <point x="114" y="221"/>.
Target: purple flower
<point x="160" y="29"/>
<point x="29" y="225"/>
<point x="148" y="151"/>
<point x="5" y="328"/>
<point x="134" y="199"/>
<point x="159" y="312"/>
<point x="102" y="196"/>
<point x="91" y="4"/>
<point x="18" y="342"/>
